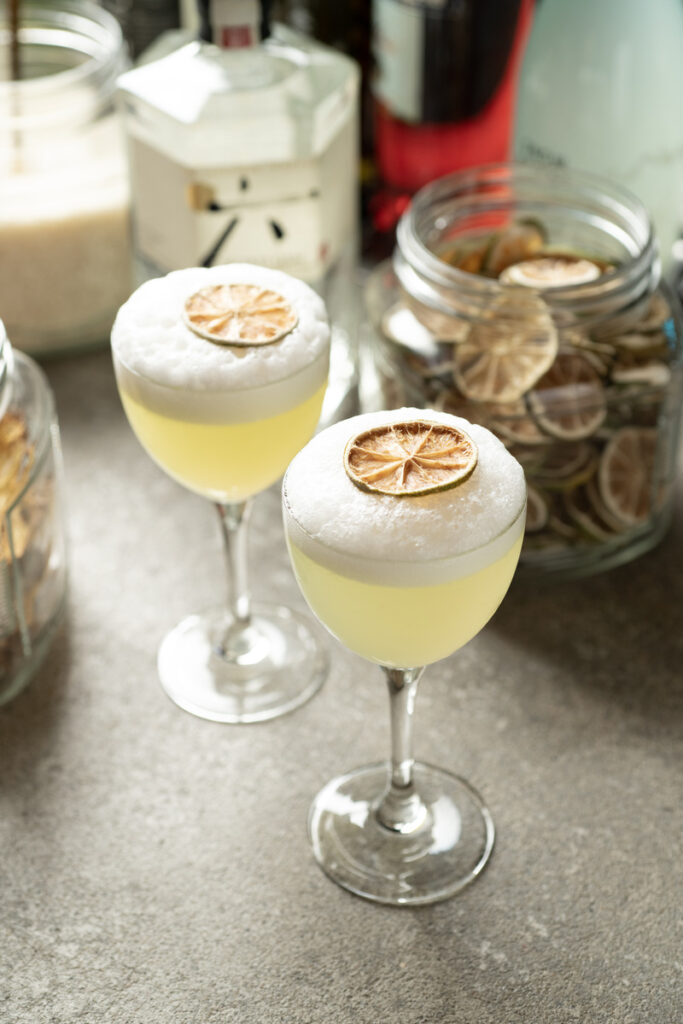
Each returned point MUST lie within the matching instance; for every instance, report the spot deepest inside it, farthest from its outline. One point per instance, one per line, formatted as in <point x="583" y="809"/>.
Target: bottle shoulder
<point x="198" y="79"/>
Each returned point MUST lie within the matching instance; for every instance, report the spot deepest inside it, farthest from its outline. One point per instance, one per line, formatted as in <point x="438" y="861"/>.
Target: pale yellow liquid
<point x="225" y="461"/>
<point x="401" y="626"/>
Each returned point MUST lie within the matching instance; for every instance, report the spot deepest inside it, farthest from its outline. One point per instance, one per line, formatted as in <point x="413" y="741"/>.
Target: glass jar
<point x="581" y="381"/>
<point x="32" y="534"/>
<point x="64" y="235"/>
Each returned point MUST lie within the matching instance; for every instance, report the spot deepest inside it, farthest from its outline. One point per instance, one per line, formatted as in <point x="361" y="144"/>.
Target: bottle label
<point x="295" y="217"/>
<point x="235" y="23"/>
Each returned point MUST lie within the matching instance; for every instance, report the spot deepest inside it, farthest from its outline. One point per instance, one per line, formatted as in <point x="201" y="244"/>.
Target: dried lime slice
<point x="503" y="357"/>
<point x="568" y="401"/>
<point x="513" y="422"/>
<point x="605" y="516"/>
<point x="599" y="353"/>
<point x="16" y="458"/>
<point x="565" y="465"/>
<point x="583" y="514"/>
<point x="411" y="458"/>
<point x="641" y="346"/>
<point x="441" y="326"/>
<point x="516" y="243"/>
<point x="653" y="374"/>
<point x="657" y="313"/>
<point x="551" y="272"/>
<point x="537" y="510"/>
<point x="467" y="255"/>
<point x="239" y="314"/>
<point x="625" y="474"/>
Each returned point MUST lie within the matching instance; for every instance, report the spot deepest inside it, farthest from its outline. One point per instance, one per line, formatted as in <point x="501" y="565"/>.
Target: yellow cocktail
<point x="222" y="374"/>
<point x="404" y="529"/>
<point x="232" y="459"/>
<point x="401" y="626"/>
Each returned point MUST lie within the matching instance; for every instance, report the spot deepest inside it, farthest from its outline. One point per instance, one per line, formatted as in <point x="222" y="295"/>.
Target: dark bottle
<point x="444" y="90"/>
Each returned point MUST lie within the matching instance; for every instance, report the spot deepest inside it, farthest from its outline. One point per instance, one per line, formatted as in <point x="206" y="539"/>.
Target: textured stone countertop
<point x="156" y="867"/>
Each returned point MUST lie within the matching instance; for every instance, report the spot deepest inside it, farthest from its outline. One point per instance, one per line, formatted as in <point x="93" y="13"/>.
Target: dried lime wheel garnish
<point x="410" y="459"/>
<point x="503" y="356"/>
<point x="239" y="314"/>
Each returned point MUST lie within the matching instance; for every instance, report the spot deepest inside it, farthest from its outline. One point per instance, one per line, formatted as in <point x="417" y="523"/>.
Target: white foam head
<point x="151" y="340"/>
<point x="385" y="538"/>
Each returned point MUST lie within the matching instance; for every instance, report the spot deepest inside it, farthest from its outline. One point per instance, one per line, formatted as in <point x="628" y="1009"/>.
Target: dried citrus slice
<point x="657" y="313"/>
<point x="16" y="459"/>
<point x="411" y="458"/>
<point x="625" y="474"/>
<point x="568" y="401"/>
<point x="504" y="356"/>
<point x="581" y="511"/>
<point x="512" y="421"/>
<point x="239" y="314"/>
<point x="551" y="272"/>
<point x="467" y="256"/>
<point x="516" y="243"/>
<point x="565" y="465"/>
<point x="537" y="510"/>
<point x="654" y="374"/>
<point x="641" y="346"/>
<point x="441" y="326"/>
<point x="599" y="353"/>
<point x="604" y="515"/>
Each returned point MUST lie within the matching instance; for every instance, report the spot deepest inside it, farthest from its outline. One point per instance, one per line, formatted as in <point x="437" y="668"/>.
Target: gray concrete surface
<point x="156" y="867"/>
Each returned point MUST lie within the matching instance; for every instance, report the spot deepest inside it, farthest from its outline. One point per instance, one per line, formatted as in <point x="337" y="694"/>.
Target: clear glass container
<point x="64" y="234"/>
<point x="581" y="381"/>
<point x="33" y="570"/>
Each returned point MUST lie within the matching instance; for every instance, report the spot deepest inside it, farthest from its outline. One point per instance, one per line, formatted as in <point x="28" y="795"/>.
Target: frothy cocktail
<point x="224" y="420"/>
<point x="403" y="581"/>
<point x="404" y="529"/>
<point x="222" y="373"/>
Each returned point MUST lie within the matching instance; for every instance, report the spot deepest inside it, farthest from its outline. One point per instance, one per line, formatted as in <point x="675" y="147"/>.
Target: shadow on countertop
<point x="617" y="636"/>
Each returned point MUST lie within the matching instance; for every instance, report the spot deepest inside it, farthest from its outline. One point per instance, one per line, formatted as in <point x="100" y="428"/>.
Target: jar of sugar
<point x="64" y="236"/>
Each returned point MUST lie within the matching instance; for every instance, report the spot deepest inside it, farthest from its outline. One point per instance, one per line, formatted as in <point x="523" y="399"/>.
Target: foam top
<point x="150" y="338"/>
<point x="334" y="521"/>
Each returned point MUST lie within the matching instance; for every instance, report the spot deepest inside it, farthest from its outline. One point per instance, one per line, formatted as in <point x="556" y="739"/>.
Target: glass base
<point x="272" y="666"/>
<point x="445" y="852"/>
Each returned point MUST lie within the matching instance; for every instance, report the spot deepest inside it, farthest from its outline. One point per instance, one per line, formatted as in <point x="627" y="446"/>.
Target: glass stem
<point x="401" y="808"/>
<point x="234" y="520"/>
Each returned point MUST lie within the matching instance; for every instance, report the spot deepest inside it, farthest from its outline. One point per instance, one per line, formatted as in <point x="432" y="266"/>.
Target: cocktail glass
<point x="401" y="832"/>
<point x="228" y="441"/>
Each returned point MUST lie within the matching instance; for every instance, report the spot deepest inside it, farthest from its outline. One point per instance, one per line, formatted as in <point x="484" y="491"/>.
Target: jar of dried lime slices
<point x="530" y="299"/>
<point x="32" y="536"/>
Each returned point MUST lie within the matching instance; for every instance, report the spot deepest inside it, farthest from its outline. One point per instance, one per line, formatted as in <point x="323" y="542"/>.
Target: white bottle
<point x="601" y="90"/>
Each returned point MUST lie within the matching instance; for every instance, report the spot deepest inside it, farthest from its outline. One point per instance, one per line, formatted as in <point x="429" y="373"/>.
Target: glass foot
<point x="229" y="674"/>
<point x="447" y="849"/>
